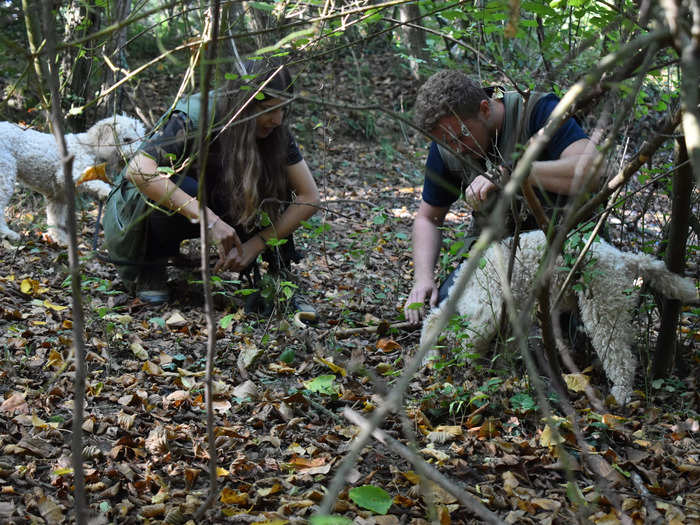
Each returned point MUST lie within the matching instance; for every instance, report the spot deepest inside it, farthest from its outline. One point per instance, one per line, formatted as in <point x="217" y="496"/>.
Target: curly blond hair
<point x="447" y="92"/>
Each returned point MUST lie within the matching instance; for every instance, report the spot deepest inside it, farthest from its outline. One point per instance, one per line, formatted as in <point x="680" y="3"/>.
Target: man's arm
<point x="568" y="174"/>
<point x="426" y="247"/>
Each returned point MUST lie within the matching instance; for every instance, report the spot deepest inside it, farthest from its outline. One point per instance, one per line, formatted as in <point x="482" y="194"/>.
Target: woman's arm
<point x="306" y="202"/>
<point x="302" y="183"/>
<point x="143" y="173"/>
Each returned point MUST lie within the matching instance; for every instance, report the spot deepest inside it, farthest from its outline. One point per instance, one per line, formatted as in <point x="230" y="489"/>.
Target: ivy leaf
<point x="322" y="385"/>
<point x="371" y="498"/>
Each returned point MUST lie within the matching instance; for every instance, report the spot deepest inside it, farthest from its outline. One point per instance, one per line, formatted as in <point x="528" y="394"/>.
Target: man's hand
<point x="418" y="295"/>
<point x="478" y="191"/>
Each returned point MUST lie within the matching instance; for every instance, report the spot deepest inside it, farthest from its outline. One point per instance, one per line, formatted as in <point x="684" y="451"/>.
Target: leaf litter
<point x="280" y="390"/>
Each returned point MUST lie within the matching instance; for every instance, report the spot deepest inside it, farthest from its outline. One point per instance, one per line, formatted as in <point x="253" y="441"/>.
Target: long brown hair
<point x="252" y="173"/>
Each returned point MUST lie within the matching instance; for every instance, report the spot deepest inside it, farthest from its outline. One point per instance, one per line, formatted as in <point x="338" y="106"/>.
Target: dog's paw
<point x="621" y="394"/>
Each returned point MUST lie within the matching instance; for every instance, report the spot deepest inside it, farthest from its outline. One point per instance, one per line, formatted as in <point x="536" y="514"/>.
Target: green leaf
<point x="276" y="242"/>
<point x="322" y="384"/>
<point x="158" y="321"/>
<point x="288" y="355"/>
<point x="538" y="9"/>
<point x="262" y="6"/>
<point x="226" y="321"/>
<point x="523" y="401"/>
<point x="575" y="495"/>
<point x="245" y="291"/>
<point x="371" y="498"/>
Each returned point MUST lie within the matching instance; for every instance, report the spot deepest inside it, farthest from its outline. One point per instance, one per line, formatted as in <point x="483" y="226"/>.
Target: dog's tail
<point x="669" y="284"/>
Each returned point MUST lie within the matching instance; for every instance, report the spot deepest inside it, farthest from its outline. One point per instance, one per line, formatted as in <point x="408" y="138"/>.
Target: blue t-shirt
<point x="441" y="189"/>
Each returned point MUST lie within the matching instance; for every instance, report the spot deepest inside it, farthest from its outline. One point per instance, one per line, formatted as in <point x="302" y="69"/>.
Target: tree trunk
<point x="75" y="69"/>
<point x="116" y="52"/>
<point x="263" y="23"/>
<point x="412" y="38"/>
<point x="665" y="352"/>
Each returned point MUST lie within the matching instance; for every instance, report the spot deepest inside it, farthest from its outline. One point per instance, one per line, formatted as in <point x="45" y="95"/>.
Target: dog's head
<point x="116" y="138"/>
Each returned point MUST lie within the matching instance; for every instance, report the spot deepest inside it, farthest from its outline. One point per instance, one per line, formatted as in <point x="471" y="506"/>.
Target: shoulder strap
<point x="516" y="122"/>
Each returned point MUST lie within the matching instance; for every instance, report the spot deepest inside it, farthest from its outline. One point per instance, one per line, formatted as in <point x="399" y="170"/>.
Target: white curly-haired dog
<point x="32" y="158"/>
<point x="606" y="300"/>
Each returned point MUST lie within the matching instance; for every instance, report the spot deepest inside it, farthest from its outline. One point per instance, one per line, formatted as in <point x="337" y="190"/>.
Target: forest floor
<point x="280" y="427"/>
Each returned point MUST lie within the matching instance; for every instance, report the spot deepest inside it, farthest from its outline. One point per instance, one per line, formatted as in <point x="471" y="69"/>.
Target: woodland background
<point x="195" y="412"/>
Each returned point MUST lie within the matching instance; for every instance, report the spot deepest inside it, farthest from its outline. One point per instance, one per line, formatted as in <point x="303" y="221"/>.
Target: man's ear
<point x="485" y="108"/>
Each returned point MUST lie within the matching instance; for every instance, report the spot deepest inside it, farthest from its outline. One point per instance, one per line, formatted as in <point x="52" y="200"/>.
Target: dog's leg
<point x="8" y="174"/>
<point x="608" y="323"/>
<point x="57" y="220"/>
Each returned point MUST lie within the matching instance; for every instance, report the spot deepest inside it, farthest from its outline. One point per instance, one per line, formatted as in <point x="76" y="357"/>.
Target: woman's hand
<point x="225" y="238"/>
<point x="240" y="259"/>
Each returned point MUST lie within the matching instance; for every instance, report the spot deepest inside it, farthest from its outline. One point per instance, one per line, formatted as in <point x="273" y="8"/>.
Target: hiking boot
<point x="151" y="285"/>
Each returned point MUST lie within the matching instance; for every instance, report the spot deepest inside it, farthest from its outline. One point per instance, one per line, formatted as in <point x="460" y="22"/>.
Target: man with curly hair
<point x="475" y="130"/>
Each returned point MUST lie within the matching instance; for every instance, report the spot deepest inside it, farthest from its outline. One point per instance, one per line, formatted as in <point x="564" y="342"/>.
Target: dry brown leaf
<point x="125" y="421"/>
<point x="386" y="344"/>
<point x="577" y="382"/>
<point x="152" y="511"/>
<point x="50" y="510"/>
<point x="157" y="440"/>
<point x="233" y="497"/>
<point x="444" y="433"/>
<point x="15" y="403"/>
<point x="177" y="398"/>
<point x="246" y="390"/>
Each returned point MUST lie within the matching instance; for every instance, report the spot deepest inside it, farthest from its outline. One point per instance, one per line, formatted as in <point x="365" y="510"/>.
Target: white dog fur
<point x="606" y="301"/>
<point x="32" y="158"/>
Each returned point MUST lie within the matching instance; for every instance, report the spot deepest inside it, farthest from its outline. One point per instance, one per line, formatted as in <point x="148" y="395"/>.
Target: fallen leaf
<point x="388" y="345"/>
<point x="233" y="497"/>
<point x="246" y="390"/>
<point x="548" y="438"/>
<point x="333" y="367"/>
<point x="176" y="320"/>
<point x="48" y="304"/>
<point x="576" y="382"/>
<point x="15" y="403"/>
